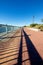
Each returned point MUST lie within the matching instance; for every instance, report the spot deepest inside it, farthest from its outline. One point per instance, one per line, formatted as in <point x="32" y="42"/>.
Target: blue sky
<point x="20" y="12"/>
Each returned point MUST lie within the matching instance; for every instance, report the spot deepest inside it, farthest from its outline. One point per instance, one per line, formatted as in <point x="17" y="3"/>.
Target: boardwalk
<point x="23" y="48"/>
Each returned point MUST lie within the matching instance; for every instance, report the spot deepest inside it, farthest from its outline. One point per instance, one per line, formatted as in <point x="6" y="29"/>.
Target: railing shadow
<point x="12" y="36"/>
<point x="20" y="51"/>
<point x="19" y="61"/>
<point x="19" y="54"/>
<point x="34" y="56"/>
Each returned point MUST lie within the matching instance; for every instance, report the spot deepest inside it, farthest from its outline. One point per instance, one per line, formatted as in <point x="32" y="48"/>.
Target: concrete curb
<point x="34" y="29"/>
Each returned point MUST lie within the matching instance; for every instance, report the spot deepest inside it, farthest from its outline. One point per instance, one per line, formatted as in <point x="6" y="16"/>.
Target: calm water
<point x="3" y="29"/>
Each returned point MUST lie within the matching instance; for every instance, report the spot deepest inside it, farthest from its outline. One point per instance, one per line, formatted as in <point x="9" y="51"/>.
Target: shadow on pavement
<point x="20" y="52"/>
<point x="11" y="37"/>
<point x="34" y="56"/>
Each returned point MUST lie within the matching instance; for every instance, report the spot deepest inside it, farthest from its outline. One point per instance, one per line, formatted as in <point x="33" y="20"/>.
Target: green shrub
<point x="33" y="25"/>
<point x="38" y="26"/>
<point x="41" y="28"/>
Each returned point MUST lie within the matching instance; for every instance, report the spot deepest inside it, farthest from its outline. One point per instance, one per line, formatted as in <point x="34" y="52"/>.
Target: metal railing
<point x="5" y="29"/>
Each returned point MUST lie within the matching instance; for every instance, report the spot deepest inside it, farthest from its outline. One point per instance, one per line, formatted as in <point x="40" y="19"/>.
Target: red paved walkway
<point x="24" y="48"/>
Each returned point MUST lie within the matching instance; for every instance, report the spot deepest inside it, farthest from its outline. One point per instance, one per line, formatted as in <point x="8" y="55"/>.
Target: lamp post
<point x="33" y="19"/>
